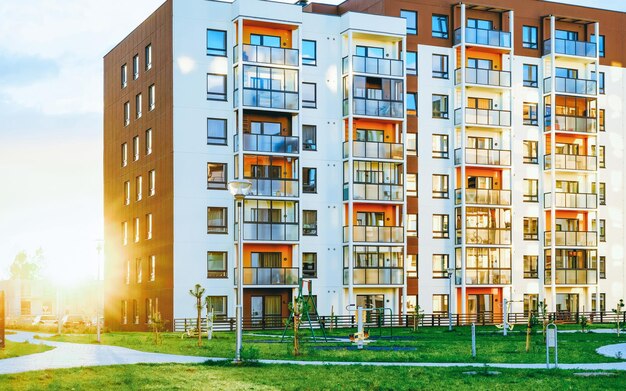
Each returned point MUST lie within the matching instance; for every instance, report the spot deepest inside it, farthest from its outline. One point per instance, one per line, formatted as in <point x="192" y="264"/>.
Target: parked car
<point x="45" y="320"/>
<point x="74" y="320"/>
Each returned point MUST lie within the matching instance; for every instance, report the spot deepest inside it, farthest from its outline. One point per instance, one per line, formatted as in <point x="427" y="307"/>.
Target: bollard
<point x="473" y="340"/>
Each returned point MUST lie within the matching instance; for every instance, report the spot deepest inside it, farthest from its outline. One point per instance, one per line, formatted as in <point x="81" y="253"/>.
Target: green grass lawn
<point x="290" y="377"/>
<point x="433" y="344"/>
<point x="15" y="349"/>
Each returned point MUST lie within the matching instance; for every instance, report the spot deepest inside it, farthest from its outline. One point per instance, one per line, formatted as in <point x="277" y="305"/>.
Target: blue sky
<point x="51" y="123"/>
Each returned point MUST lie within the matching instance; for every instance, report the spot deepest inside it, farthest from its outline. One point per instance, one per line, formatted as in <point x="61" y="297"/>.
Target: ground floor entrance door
<point x="480" y="306"/>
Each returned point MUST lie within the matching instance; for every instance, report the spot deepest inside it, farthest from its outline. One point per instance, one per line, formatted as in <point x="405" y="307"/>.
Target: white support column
<point x="463" y="102"/>
<point x="597" y="172"/>
<point x="405" y="286"/>
<point x="351" y="298"/>
<point x="552" y="167"/>
<point x="511" y="168"/>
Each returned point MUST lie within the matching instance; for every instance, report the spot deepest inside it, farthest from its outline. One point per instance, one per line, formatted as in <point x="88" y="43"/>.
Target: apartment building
<point x="512" y="114"/>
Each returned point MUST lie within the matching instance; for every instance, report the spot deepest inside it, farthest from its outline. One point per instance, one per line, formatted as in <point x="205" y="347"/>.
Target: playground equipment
<point x="301" y="306"/>
<point x="505" y="325"/>
<point x="361" y="336"/>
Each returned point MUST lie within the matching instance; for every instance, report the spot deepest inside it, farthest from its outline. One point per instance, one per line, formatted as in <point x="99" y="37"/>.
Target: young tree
<point x="618" y="311"/>
<point x="26" y="267"/>
<point x="198" y="292"/>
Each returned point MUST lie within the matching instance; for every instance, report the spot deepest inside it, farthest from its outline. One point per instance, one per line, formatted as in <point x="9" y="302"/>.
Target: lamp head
<point x="239" y="189"/>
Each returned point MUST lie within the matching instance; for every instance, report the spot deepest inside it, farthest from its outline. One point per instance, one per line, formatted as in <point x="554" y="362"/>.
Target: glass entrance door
<point x="256" y="309"/>
<point x="481" y="306"/>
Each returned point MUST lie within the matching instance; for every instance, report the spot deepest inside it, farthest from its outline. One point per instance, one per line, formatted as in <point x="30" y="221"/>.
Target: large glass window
<point x="216" y="43"/>
<point x="530" y="114"/>
<point x="217" y="264"/>
<point x="309" y="52"/>
<point x="411" y="103"/>
<point x="265" y="40"/>
<point x="440" y="304"/>
<point x="531" y="151"/>
<point x="440" y="66"/>
<point x="531" y="228"/>
<point x="309" y="265"/>
<point x="530" y="75"/>
<point x="531" y="190"/>
<point x="216" y="176"/>
<point x="529" y="37"/>
<point x="216" y="131"/>
<point x="440" y="106"/>
<point x="601" y="47"/>
<point x="217" y="220"/>
<point x="411" y="63"/>
<point x="216" y="87"/>
<point x="440" y="186"/>
<point x="309" y="95"/>
<point x="440" y="226"/>
<point x="440" y="146"/>
<point x="309" y="222"/>
<point x="440" y="26"/>
<point x="309" y="180"/>
<point x="309" y="137"/>
<point x="440" y="265"/>
<point x="411" y="21"/>
<point x="531" y="268"/>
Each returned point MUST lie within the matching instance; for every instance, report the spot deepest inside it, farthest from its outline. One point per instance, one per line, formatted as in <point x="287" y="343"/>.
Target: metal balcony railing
<point x="571" y="123"/>
<point x="484" y="77"/>
<point x="571" y="200"/>
<point x="374" y="276"/>
<point x="268" y="99"/>
<point x="375" y="108"/>
<point x="484" y="117"/>
<point x="572" y="276"/>
<point x="270" y="231"/>
<point x="486" y="157"/>
<point x="269" y="275"/>
<point x="375" y="234"/>
<point x="484" y="197"/>
<point x="374" y="65"/>
<point x="486" y="37"/>
<point x="571" y="162"/>
<point x="374" y="150"/>
<point x="267" y="143"/>
<point x="375" y="191"/>
<point x="569" y="47"/>
<point x="268" y="55"/>
<point x="572" y="238"/>
<point x="571" y="86"/>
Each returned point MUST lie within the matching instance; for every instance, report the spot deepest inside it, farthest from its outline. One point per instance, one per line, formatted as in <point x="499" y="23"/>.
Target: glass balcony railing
<point x="268" y="55"/>
<point x="274" y="187"/>
<point x="270" y="231"/>
<point x="484" y="276"/>
<point x="269" y="275"/>
<point x="498" y="236"/>
<point x="375" y="108"/>
<point x="375" y="192"/>
<point x="374" y="150"/>
<point x="268" y="99"/>
<point x="375" y="234"/>
<point x="571" y="162"/>
<point x="572" y="276"/>
<point x="570" y="123"/>
<point x="570" y="86"/>
<point x="569" y="48"/>
<point x="486" y="37"/>
<point x="484" y="77"/>
<point x="486" y="157"/>
<point x="374" y="65"/>
<point x="572" y="238"/>
<point x="484" y="197"/>
<point x="571" y="200"/>
<point x="483" y="117"/>
<point x="374" y="276"/>
<point x="267" y="143"/>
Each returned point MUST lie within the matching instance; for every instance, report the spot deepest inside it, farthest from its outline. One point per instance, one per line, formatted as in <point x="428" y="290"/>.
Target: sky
<point x="51" y="124"/>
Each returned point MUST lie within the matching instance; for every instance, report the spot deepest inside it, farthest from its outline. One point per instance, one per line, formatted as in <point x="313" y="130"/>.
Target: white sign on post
<point x="551" y="338"/>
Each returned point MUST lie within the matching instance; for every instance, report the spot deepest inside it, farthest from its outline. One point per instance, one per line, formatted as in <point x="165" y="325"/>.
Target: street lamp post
<point x="450" y="272"/>
<point x="239" y="190"/>
<point x="99" y="291"/>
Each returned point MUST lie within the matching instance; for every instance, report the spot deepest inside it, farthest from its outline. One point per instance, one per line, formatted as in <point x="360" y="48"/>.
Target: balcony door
<point x="266" y="260"/>
<point x="370" y="51"/>
<point x="566" y="35"/>
<point x="570" y="225"/>
<point x="265" y="128"/>
<point x="370" y="135"/>
<point x="567" y="302"/>
<point x="566" y="187"/>
<point x="266" y="308"/>
<point x="479" y="142"/>
<point x="479" y="182"/>
<point x="567" y="149"/>
<point x="370" y="219"/>
<point x="480" y="305"/>
<point x="479" y="63"/>
<point x="480" y="103"/>
<point x="265" y="40"/>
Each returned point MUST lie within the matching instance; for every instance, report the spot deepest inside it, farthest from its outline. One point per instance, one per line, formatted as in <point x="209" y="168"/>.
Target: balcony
<point x="491" y="236"/>
<point x="484" y="276"/>
<point x="269" y="276"/>
<point x="483" y="157"/>
<point x="571" y="123"/>
<point x="569" y="48"/>
<point x="268" y="55"/>
<point x="484" y="197"/>
<point x="374" y="276"/>
<point x="268" y="99"/>
<point x="571" y="86"/>
<point x="267" y="143"/>
<point x="484" y="77"/>
<point x="483" y="117"/>
<point x="375" y="234"/>
<point x="572" y="276"/>
<point x="572" y="238"/>
<point x="375" y="192"/>
<point x="374" y="66"/>
<point x="501" y="39"/>
<point x="271" y="187"/>
<point x="571" y="200"/>
<point x="571" y="162"/>
<point x="375" y="108"/>
<point x="270" y="231"/>
<point x="374" y="150"/>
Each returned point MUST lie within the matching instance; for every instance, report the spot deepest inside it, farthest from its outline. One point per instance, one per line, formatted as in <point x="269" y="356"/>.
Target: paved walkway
<point x="72" y="355"/>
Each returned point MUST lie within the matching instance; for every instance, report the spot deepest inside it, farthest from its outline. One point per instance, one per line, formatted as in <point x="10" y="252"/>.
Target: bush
<point x="250" y="354"/>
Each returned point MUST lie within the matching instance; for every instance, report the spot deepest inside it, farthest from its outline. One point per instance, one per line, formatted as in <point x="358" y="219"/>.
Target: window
<point x="309" y="137"/>
<point x="531" y="192"/>
<point x="309" y="180"/>
<point x="216" y="176"/>
<point x="602" y="230"/>
<point x="149" y="226"/>
<point x="440" y="26"/>
<point x="411" y="63"/>
<point x="600" y="44"/>
<point x="136" y="67"/>
<point x="531" y="303"/>
<point x="124" y="308"/>
<point x="602" y="266"/>
<point x="411" y="224"/>
<point x="127" y="276"/>
<point x="124" y="75"/>
<point x="440" y="146"/>
<point x="529" y="37"/>
<point x="309" y="95"/>
<point x="127" y="193"/>
<point x="530" y="75"/>
<point x="217" y="220"/>
<point x="135" y="312"/>
<point x="124" y="155"/>
<point x="481" y="24"/>
<point x="602" y="302"/>
<point x="152" y="266"/>
<point x="411" y="21"/>
<point x="215" y="42"/>
<point x="126" y="113"/>
<point x="138" y="188"/>
<point x="216" y="87"/>
<point x="309" y="265"/>
<point x="440" y="66"/>
<point x="309" y="52"/>
<point x="370" y="51"/>
<point x="440" y="304"/>
<point x="149" y="310"/>
<point x="148" y="57"/>
<point x="411" y="142"/>
<point x="309" y="222"/>
<point x="440" y="106"/>
<point x="217" y="262"/>
<point x="151" y="182"/>
<point x="601" y="192"/>
<point x="531" y="268"/>
<point x="411" y="185"/>
<point x="125" y="233"/>
<point x="531" y="152"/>
<point x="530" y="114"/>
<point x="148" y="141"/>
<point x="216" y="131"/>
<point x="411" y="103"/>
<point x="531" y="228"/>
<point x="218" y="304"/>
<point x="440" y="265"/>
<point x="601" y="120"/>
<point x="440" y="186"/>
<point x="601" y="156"/>
<point x="151" y="97"/>
<point x="136" y="232"/>
<point x="440" y="226"/>
<point x="138" y="105"/>
<point x="265" y="40"/>
<point x="135" y="148"/>
<point x="601" y="80"/>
